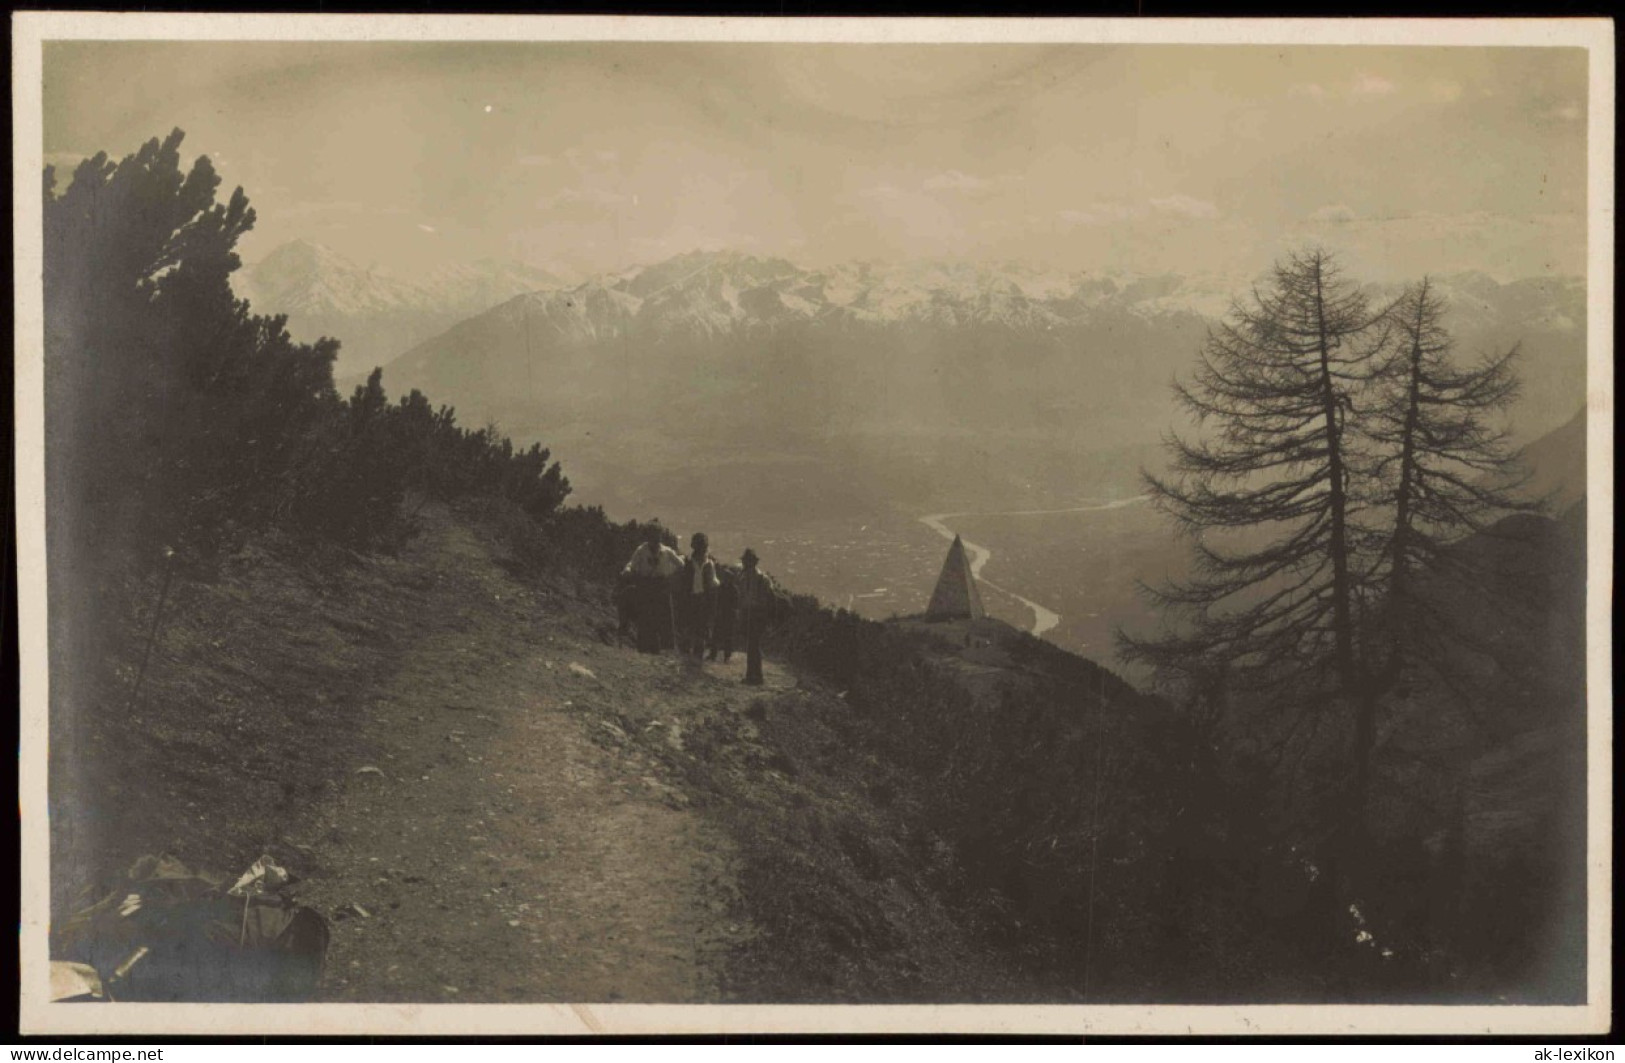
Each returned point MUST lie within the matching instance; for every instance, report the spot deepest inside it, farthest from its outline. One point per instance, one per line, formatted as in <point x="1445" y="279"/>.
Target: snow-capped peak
<point x="305" y="278"/>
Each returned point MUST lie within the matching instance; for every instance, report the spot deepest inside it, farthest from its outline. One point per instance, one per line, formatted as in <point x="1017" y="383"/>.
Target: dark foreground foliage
<point x="178" y="418"/>
<point x="189" y="444"/>
<point x="180" y="424"/>
<point x="1130" y="849"/>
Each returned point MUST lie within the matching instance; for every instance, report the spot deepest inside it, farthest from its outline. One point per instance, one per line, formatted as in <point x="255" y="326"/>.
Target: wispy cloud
<point x="598" y="183"/>
<point x="584" y="159"/>
<point x="342" y="208"/>
<point x="1373" y="85"/>
<point x="1308" y="90"/>
<point x="1177" y="205"/>
<point x="427" y="228"/>
<point x="1335" y="214"/>
<point x="955" y="181"/>
<point x="588" y="195"/>
<point x="883" y="192"/>
<point x="1098" y="214"/>
<point x="1185" y="206"/>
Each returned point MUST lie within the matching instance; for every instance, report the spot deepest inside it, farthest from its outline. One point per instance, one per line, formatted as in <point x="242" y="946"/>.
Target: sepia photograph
<point x="573" y="525"/>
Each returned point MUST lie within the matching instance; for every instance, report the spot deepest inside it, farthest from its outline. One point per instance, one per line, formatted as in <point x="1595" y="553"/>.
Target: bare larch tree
<point x="1442" y="468"/>
<point x="1264" y="490"/>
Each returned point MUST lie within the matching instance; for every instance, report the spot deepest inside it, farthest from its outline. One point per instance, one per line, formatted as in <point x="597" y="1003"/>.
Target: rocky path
<point x="503" y="840"/>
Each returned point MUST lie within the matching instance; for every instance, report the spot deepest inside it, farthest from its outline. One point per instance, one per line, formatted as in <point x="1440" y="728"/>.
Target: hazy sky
<point x="596" y="156"/>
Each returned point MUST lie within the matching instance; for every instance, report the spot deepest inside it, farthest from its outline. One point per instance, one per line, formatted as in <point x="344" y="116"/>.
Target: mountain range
<point x="375" y="314"/>
<point x="949" y="382"/>
<point x="972" y="383"/>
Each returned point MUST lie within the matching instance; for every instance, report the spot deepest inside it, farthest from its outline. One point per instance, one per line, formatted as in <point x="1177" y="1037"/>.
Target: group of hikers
<point x="696" y="603"/>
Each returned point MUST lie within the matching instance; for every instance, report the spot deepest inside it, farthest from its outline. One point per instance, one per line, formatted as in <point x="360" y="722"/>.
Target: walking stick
<point x="157" y="614"/>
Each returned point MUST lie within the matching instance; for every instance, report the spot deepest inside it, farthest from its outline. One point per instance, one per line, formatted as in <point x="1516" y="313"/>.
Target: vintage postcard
<point x="560" y="525"/>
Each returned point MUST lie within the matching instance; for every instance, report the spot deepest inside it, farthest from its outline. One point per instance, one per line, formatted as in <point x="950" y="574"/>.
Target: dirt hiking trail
<point x="504" y="839"/>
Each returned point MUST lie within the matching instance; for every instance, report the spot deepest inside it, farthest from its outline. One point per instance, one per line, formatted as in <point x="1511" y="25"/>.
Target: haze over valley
<point x="820" y="414"/>
<point x="796" y="293"/>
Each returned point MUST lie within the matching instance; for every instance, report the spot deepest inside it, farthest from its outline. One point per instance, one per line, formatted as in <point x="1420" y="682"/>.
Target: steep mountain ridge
<point x="305" y="277"/>
<point x="374" y="313"/>
<point x="713" y="294"/>
<point x="820" y="356"/>
<point x="1556" y="463"/>
<point x="859" y="364"/>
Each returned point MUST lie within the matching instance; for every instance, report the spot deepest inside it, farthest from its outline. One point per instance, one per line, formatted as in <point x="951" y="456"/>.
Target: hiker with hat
<point x="650" y="570"/>
<point x="696" y="590"/>
<point x="755" y="598"/>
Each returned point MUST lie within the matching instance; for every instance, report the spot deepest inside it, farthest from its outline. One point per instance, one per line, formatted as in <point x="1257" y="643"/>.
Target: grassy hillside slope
<point x="495" y="800"/>
<point x="453" y="740"/>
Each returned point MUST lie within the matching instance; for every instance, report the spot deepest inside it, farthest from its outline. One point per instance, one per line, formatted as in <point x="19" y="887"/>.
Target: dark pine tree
<point x="1442" y="467"/>
<point x="1264" y="490"/>
<point x="170" y="410"/>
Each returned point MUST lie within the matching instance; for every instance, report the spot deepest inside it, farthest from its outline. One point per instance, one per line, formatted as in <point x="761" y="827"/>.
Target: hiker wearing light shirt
<point x="651" y="569"/>
<point x="653" y="558"/>
<point x="697" y="588"/>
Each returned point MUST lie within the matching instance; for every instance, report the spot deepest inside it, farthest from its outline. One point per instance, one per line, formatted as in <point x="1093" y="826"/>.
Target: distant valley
<point x="818" y="414"/>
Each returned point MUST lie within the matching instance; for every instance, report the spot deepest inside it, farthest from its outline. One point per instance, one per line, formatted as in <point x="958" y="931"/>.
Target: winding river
<point x="1043" y="619"/>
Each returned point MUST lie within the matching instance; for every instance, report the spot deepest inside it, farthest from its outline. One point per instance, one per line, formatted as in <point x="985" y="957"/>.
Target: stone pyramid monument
<point x="956" y="596"/>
